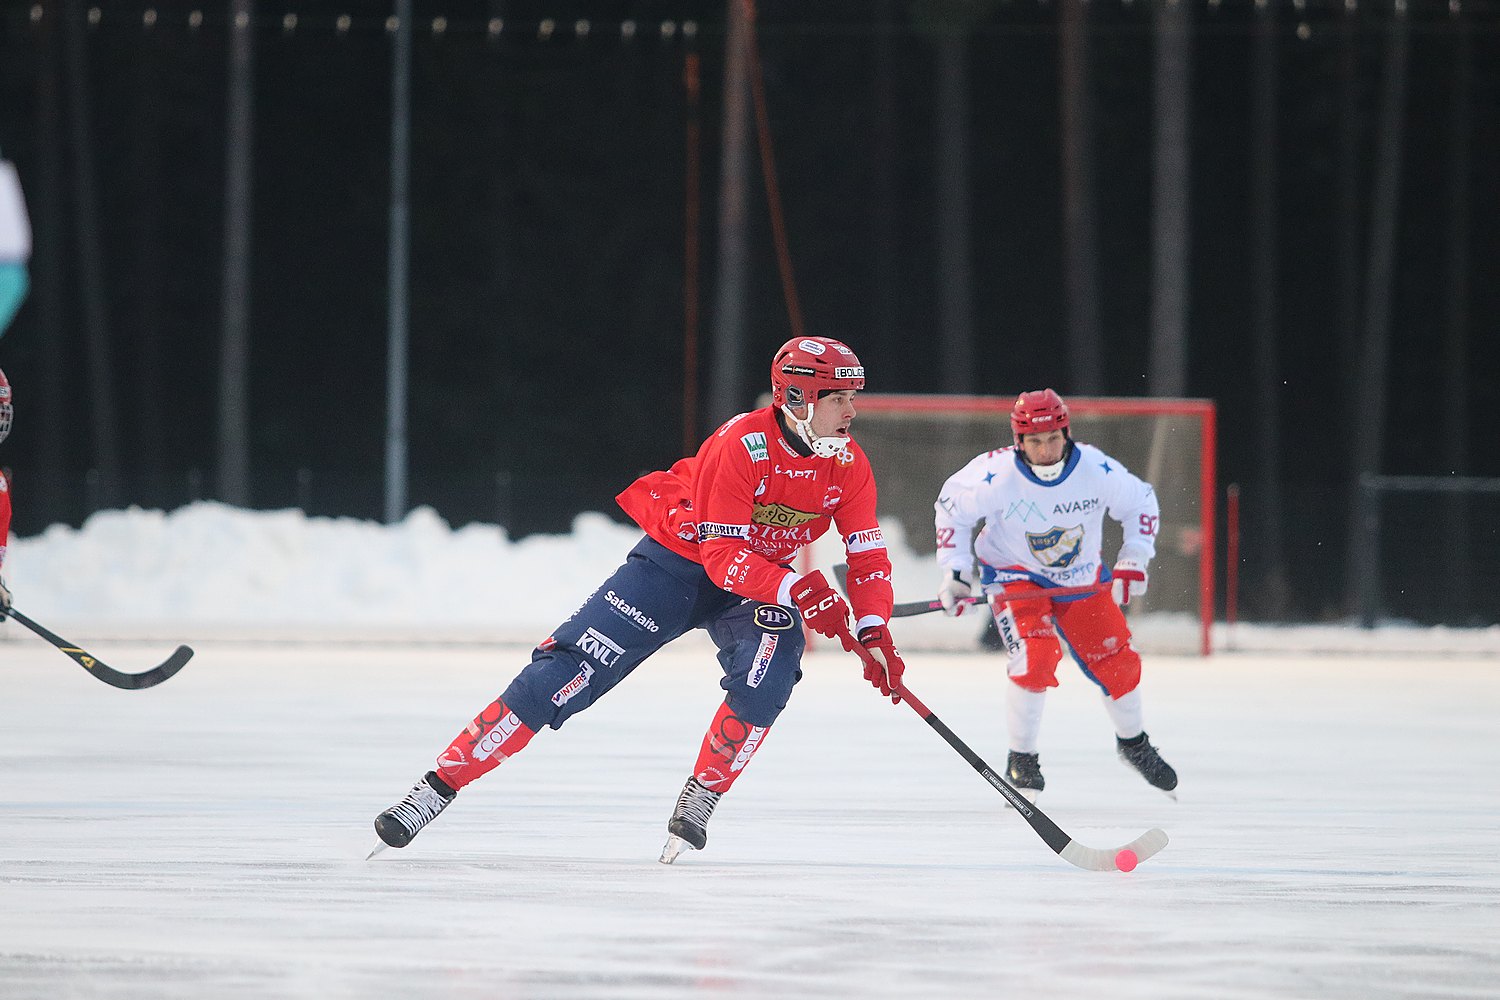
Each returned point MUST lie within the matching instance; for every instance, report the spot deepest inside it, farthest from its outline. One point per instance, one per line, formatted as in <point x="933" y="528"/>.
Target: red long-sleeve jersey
<point x="4" y="516"/>
<point x="747" y="502"/>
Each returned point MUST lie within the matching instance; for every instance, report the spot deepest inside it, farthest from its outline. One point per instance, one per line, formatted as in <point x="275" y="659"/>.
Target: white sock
<point x="1024" y="709"/>
<point x="1125" y="713"/>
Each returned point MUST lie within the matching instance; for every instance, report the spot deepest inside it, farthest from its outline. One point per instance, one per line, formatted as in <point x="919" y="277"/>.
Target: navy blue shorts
<point x="653" y="598"/>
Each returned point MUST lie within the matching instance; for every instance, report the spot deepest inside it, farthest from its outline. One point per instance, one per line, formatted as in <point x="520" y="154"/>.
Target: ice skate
<point x="1141" y="755"/>
<point x="401" y="822"/>
<point x="688" y="827"/>
<point x="1024" y="771"/>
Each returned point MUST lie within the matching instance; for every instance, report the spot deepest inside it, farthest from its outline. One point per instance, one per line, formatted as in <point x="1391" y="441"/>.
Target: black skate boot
<point x="1024" y="770"/>
<point x="401" y="822"/>
<point x="688" y="826"/>
<point x="1141" y="755"/>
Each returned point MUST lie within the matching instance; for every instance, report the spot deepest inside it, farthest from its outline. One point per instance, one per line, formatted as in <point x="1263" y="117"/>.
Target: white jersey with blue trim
<point x="1048" y="532"/>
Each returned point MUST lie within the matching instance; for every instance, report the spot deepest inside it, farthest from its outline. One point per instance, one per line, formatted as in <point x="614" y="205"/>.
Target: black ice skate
<point x="1141" y="755"/>
<point x="401" y="822"/>
<point x="1024" y="770"/>
<point x="688" y="827"/>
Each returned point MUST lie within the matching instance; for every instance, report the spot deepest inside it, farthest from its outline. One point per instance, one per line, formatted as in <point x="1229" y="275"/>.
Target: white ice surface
<point x="1336" y="835"/>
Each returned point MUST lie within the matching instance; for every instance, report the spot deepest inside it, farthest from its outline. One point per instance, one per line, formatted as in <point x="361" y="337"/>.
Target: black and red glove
<point x="883" y="665"/>
<point x="823" y="610"/>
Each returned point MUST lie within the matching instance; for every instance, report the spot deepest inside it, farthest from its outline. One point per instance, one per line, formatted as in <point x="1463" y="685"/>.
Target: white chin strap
<point x="822" y="447"/>
<point x="1047" y="473"/>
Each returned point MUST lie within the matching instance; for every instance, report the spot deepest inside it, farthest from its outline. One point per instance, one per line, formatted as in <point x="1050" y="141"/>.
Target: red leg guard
<point x="494" y="735"/>
<point x="1031" y="644"/>
<point x="1098" y="633"/>
<point x="727" y="747"/>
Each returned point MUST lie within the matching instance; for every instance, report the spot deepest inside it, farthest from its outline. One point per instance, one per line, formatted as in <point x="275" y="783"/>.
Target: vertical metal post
<point x="1366" y="556"/>
<point x="729" y="355"/>
<point x="1374" y="354"/>
<point x="1274" y="589"/>
<point x="234" y="352"/>
<point x="692" y="214"/>
<point x="1170" y="194"/>
<point x="1080" y="227"/>
<point x="954" y="206"/>
<point x="398" y="255"/>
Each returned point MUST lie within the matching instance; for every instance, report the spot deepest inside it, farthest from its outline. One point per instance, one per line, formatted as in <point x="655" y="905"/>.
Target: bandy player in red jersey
<point x="722" y="528"/>
<point x="5" y="415"/>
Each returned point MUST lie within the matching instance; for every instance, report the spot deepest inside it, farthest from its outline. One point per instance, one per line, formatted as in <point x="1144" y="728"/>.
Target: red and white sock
<point x="727" y="747"/>
<point x="494" y="735"/>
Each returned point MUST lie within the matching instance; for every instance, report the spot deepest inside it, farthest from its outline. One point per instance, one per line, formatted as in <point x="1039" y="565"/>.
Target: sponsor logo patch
<point x="864" y="541"/>
<point x="755" y="444"/>
<point x="780" y="515"/>
<point x="601" y="647"/>
<point x="1076" y="506"/>
<point x="774" y="618"/>
<point x="812" y="347"/>
<point x="709" y="529"/>
<point x="748" y="748"/>
<point x="631" y="612"/>
<point x="849" y="371"/>
<point x="578" y="683"/>
<point x="1013" y="646"/>
<point x="498" y="734"/>
<point x="1024" y="509"/>
<point x="762" y="661"/>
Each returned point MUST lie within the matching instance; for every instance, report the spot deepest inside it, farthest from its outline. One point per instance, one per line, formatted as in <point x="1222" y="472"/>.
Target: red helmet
<point x="5" y="410"/>
<point x="804" y="367"/>
<point x="1038" y="412"/>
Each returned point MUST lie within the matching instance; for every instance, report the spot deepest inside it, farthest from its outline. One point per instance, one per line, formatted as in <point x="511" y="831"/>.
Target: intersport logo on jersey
<point x="578" y="683"/>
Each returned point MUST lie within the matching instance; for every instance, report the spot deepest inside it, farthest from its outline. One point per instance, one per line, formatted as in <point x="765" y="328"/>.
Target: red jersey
<point x="4" y="516"/>
<point x="747" y="503"/>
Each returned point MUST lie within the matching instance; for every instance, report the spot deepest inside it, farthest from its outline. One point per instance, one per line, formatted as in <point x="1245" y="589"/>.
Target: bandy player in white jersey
<point x="1043" y="504"/>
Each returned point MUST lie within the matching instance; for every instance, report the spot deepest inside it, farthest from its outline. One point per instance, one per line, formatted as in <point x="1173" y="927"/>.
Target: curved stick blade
<point x="148" y="678"/>
<point x="1096" y="860"/>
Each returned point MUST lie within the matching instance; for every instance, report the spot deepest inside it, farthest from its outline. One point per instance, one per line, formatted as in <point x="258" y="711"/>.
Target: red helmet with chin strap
<point x="5" y="410"/>
<point x="1038" y="412"/>
<point x="805" y="367"/>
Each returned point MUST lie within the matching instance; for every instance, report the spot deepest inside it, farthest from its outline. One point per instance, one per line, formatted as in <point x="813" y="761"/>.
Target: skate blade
<point x="674" y="847"/>
<point x="378" y="848"/>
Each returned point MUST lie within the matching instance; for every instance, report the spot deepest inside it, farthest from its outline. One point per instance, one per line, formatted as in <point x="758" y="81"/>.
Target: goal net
<point x="916" y="442"/>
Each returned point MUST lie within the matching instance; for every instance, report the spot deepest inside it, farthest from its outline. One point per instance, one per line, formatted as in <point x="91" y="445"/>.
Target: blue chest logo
<point x="1058" y="547"/>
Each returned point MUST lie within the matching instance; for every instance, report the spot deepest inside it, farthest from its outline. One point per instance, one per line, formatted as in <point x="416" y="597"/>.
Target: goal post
<point x="915" y="442"/>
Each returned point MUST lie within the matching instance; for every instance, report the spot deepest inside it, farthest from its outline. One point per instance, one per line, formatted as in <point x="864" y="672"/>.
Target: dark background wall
<point x="548" y="179"/>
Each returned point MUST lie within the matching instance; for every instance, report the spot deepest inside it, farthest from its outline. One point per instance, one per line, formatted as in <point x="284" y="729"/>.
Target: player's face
<point x="833" y="414"/>
<point x="1044" y="449"/>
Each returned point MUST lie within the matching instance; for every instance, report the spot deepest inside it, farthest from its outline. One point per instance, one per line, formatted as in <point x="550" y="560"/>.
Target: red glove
<point x="824" y="611"/>
<point x="883" y="665"/>
<point x="1129" y="581"/>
